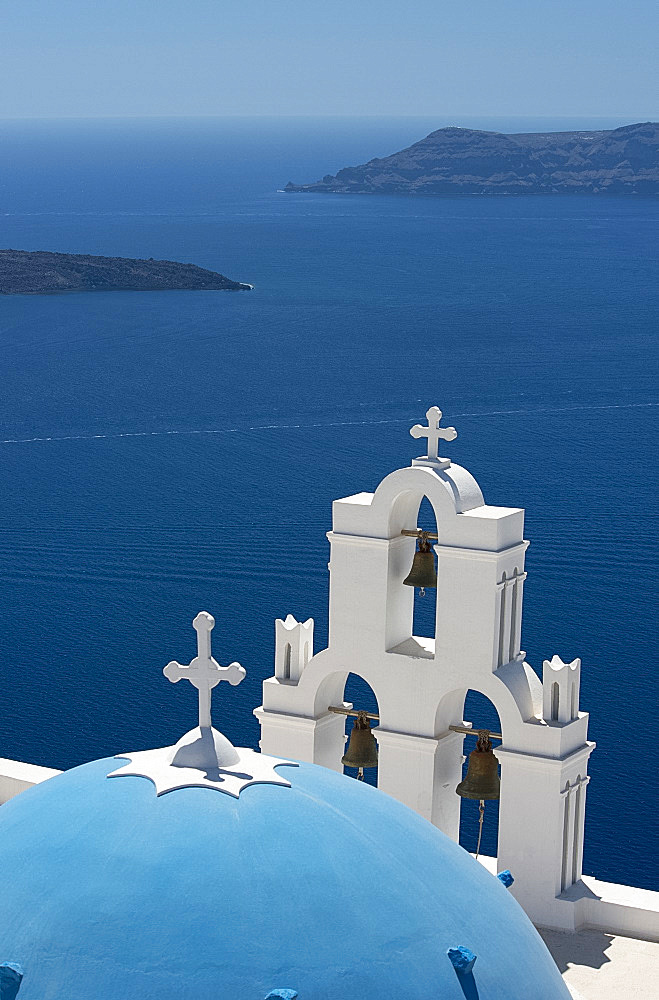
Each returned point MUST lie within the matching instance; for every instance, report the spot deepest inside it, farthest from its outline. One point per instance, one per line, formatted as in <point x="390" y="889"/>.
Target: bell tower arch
<point x="420" y="682"/>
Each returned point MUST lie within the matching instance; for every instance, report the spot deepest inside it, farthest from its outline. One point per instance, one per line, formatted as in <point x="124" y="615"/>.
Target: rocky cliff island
<point x="465" y="161"/>
<point x="24" y="272"/>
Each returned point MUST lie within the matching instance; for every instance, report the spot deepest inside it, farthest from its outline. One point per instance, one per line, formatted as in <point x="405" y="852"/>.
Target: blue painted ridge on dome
<point x="198" y="896"/>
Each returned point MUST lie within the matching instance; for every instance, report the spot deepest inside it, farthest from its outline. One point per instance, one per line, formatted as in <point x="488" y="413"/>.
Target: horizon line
<point x="315" y="117"/>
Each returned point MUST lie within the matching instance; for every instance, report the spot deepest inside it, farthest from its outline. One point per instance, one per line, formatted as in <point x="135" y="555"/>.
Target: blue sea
<point x="163" y="453"/>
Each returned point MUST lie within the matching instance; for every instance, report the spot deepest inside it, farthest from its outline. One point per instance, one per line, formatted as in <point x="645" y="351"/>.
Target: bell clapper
<point x="360" y="774"/>
<point x="481" y="814"/>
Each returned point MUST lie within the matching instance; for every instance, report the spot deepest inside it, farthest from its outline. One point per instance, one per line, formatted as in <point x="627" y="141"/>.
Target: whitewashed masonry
<point x="420" y="682"/>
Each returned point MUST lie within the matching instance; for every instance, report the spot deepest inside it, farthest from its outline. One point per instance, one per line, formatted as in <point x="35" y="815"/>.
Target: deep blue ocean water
<point x="167" y="452"/>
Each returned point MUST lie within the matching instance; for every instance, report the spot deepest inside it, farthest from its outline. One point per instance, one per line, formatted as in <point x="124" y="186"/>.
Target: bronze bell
<point x="482" y="780"/>
<point x="362" y="749"/>
<point x="423" y="573"/>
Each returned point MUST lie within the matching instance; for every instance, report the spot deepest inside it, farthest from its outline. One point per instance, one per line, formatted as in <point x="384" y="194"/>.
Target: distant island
<point x="24" y="272"/>
<point x="466" y="161"/>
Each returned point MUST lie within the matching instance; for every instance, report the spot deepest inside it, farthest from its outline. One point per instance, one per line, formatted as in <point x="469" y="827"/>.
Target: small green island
<point x="40" y="272"/>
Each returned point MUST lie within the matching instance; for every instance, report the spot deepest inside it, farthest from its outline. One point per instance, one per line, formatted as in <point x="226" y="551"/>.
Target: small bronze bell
<point x="362" y="749"/>
<point x="423" y="573"/>
<point x="482" y="780"/>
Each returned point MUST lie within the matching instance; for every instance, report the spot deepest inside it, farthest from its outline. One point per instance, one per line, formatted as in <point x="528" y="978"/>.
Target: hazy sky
<point x="208" y="57"/>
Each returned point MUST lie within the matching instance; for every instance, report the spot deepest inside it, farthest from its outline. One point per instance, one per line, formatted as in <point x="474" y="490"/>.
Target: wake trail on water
<point x="329" y="423"/>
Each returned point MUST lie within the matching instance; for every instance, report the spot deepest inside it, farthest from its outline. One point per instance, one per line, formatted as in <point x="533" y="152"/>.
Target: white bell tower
<point x="421" y="682"/>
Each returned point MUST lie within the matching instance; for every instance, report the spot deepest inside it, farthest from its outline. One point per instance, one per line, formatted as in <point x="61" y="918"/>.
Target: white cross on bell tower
<point x="434" y="432"/>
<point x="204" y="672"/>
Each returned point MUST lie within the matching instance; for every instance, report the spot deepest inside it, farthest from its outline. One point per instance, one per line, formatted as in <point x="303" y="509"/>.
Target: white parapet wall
<point x="605" y="906"/>
<point x="591" y="904"/>
<point x="16" y="776"/>
<point x="617" y="909"/>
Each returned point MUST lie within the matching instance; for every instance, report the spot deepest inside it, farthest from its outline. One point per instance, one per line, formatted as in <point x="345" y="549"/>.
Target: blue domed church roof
<point x="327" y="887"/>
<point x="204" y="872"/>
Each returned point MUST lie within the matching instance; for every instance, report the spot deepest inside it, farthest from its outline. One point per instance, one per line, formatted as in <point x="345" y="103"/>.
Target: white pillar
<point x="368" y="606"/>
<point x="508" y="597"/>
<point x="580" y="819"/>
<point x="423" y="772"/>
<point x="539" y="824"/>
<point x="448" y="774"/>
<point x="565" y="842"/>
<point x="516" y="626"/>
<point x="318" y="741"/>
<point x="567" y="861"/>
<point x="500" y="613"/>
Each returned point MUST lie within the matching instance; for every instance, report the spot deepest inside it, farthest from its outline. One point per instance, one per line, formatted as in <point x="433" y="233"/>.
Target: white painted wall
<point x="16" y="776"/>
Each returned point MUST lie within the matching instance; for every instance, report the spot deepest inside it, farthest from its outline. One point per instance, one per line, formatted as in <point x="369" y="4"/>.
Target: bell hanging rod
<point x="351" y="711"/>
<point x="467" y="730"/>
<point x="472" y="731"/>
<point x="419" y="533"/>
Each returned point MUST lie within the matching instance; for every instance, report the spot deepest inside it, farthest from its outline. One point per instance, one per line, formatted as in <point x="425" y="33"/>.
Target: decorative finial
<point x="462" y="960"/>
<point x="506" y="878"/>
<point x="11" y="977"/>
<point x="433" y="432"/>
<point x="204" y="672"/>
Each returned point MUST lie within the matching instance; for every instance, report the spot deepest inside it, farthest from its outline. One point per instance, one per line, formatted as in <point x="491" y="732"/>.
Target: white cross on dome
<point x="204" y="672"/>
<point x="203" y="758"/>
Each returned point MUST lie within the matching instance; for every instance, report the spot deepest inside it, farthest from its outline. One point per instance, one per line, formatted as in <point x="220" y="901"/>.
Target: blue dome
<point x="329" y="888"/>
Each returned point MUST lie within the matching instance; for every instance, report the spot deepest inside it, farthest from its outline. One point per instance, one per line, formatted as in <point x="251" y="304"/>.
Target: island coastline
<point x="42" y="272"/>
<point x="450" y="161"/>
